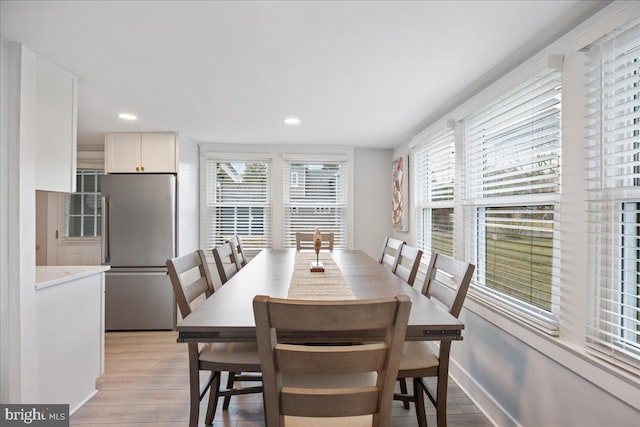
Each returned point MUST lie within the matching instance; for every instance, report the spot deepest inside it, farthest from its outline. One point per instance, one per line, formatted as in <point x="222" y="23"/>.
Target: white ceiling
<point x="360" y="73"/>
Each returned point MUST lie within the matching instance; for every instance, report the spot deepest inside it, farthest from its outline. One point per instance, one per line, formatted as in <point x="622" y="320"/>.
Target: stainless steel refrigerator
<point x="138" y="236"/>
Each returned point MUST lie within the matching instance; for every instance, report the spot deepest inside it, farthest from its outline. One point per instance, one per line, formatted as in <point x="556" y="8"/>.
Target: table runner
<point x="327" y="285"/>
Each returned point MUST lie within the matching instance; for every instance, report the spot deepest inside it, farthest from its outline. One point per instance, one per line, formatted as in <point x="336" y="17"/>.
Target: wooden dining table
<point x="227" y="315"/>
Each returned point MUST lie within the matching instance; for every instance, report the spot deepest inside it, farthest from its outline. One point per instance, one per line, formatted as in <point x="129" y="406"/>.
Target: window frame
<point x="432" y="146"/>
<point x="97" y="217"/>
<point x="342" y="204"/>
<point x="208" y="201"/>
<point x="477" y="199"/>
<point x="614" y="195"/>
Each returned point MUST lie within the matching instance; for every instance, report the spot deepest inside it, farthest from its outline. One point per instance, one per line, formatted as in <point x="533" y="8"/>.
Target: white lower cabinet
<point x="70" y="310"/>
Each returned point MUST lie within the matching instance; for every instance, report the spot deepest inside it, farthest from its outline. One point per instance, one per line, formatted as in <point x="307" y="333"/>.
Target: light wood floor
<point x="146" y="383"/>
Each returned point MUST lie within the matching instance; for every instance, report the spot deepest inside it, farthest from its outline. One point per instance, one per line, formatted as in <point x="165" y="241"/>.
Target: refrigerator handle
<point x="105" y="230"/>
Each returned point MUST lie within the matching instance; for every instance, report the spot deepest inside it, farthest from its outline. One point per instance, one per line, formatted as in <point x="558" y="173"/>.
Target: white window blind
<point x="315" y="195"/>
<point x="238" y="202"/>
<point x="433" y="182"/>
<point x="512" y="170"/>
<point x="614" y="194"/>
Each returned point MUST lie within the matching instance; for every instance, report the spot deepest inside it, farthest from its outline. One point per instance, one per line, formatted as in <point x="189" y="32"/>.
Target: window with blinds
<point x="83" y="216"/>
<point x="512" y="170"/>
<point x="614" y="194"/>
<point x="433" y="183"/>
<point x="238" y="202"/>
<point x="315" y="195"/>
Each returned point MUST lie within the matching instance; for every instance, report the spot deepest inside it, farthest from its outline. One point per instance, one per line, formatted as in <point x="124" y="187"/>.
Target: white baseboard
<point x="478" y="395"/>
<point x="81" y="404"/>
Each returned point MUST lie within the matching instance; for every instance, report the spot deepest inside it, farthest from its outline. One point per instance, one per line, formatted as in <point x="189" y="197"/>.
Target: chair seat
<point x="361" y="421"/>
<point x="418" y="355"/>
<point x="236" y="353"/>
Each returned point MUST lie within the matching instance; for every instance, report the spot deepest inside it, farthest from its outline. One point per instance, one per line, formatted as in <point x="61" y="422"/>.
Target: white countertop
<point x="51" y="275"/>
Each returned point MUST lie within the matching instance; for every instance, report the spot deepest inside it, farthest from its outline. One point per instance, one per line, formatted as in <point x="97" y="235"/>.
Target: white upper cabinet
<point x="158" y="152"/>
<point x="56" y="93"/>
<point x="141" y="153"/>
<point x="122" y="152"/>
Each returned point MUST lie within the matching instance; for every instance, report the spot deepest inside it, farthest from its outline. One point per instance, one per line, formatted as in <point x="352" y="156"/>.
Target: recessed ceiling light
<point x="127" y="116"/>
<point x="292" y="121"/>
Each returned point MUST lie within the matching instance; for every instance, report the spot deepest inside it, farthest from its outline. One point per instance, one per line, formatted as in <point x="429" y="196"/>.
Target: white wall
<point x="4" y="221"/>
<point x="517" y="375"/>
<point x="188" y="196"/>
<point x="372" y="199"/>
<point x="19" y="328"/>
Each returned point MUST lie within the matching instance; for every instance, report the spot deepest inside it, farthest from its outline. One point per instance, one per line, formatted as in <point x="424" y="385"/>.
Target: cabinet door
<point x="122" y="152"/>
<point x="158" y="152"/>
<point x="55" y="129"/>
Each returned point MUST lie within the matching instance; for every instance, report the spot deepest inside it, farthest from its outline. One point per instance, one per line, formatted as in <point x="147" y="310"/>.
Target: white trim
<point x="526" y="71"/>
<point x="601" y="27"/>
<point x="489" y="407"/>
<point x="431" y="131"/>
<point x="90" y="160"/>
<point x="85" y="400"/>
<point x="217" y="155"/>
<point x="311" y="157"/>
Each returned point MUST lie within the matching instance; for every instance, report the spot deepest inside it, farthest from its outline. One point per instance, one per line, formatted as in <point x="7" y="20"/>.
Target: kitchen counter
<point x="52" y="275"/>
<point x="70" y="319"/>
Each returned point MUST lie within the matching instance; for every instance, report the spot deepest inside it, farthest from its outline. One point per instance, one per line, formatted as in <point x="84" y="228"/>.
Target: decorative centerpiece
<point x="316" y="266"/>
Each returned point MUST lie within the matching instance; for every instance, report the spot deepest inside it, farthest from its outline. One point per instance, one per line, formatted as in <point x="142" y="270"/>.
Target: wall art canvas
<point x="400" y="213"/>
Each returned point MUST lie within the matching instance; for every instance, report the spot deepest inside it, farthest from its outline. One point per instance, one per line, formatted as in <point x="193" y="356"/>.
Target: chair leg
<point x="403" y="390"/>
<point x="441" y="401"/>
<point x="194" y="390"/>
<point x="214" y="391"/>
<point x="418" y="393"/>
<point x="230" y="381"/>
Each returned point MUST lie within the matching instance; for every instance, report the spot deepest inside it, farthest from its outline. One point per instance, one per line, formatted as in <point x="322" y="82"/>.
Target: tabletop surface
<point x="227" y="315"/>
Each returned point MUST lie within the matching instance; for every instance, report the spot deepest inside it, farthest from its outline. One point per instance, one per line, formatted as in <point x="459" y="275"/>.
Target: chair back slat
<point x="187" y="262"/>
<point x="183" y="268"/>
<point x="447" y="281"/>
<point x="318" y="316"/>
<point x="330" y="380"/>
<point x="352" y="402"/>
<point x="194" y="289"/>
<point x="238" y="251"/>
<point x="331" y="359"/>
<point x="390" y="251"/>
<point x="305" y="241"/>
<point x="408" y="263"/>
<point x="225" y="262"/>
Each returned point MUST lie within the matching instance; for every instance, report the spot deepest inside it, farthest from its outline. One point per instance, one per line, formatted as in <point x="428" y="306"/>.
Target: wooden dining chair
<point x="225" y="262"/>
<point x="305" y="241"/>
<point x="238" y="251"/>
<point x="312" y="385"/>
<point x="190" y="279"/>
<point x="447" y="281"/>
<point x="390" y="251"/>
<point x="407" y="263"/>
